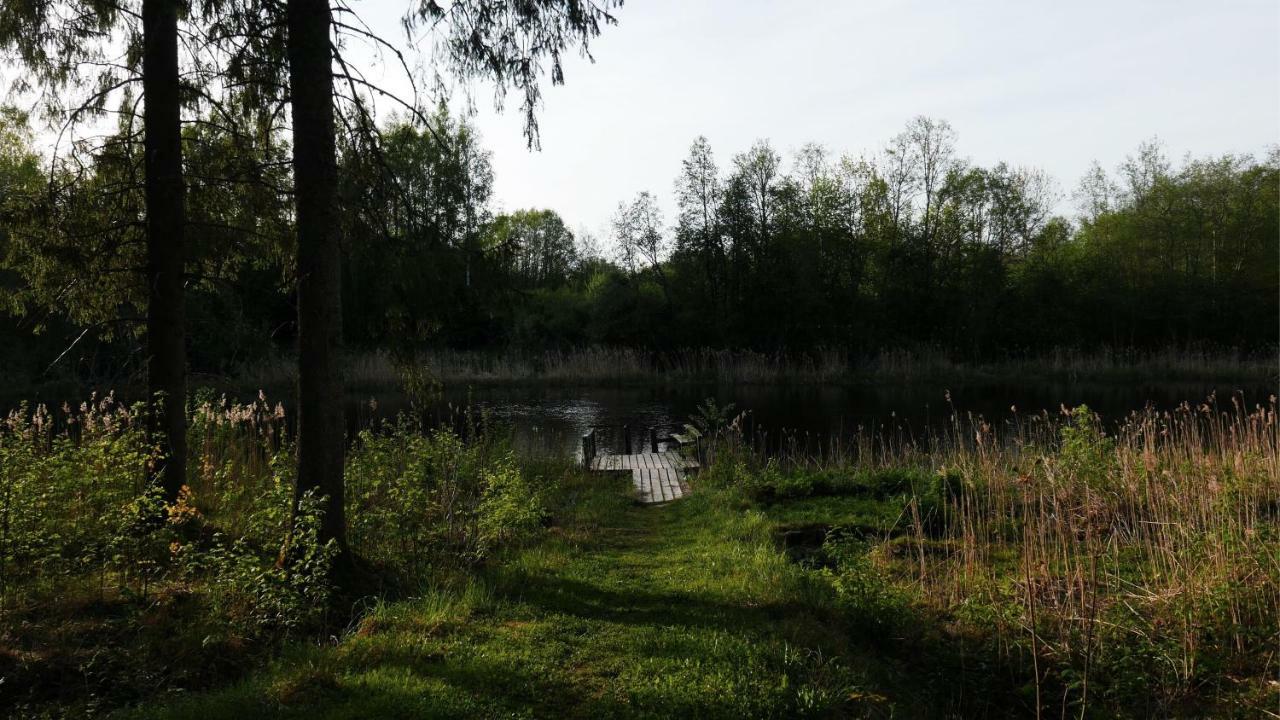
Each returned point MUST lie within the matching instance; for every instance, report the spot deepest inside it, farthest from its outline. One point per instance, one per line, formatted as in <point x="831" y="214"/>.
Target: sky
<point x="1051" y="85"/>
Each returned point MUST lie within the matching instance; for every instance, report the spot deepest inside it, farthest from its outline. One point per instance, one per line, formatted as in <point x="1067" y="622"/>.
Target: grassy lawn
<point x="684" y="610"/>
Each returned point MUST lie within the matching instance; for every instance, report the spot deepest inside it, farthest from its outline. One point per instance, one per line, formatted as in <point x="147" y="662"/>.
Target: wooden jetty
<point x="657" y="475"/>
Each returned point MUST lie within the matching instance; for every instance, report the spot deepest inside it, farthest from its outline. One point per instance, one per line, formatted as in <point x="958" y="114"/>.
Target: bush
<point x="234" y="566"/>
<point x="259" y="598"/>
<point x="420" y="503"/>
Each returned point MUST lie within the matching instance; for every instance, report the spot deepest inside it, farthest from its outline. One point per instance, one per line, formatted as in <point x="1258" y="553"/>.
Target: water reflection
<point x="552" y="419"/>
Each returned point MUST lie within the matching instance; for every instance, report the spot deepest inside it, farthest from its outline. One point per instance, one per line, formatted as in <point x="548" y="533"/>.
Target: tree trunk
<point x="321" y="439"/>
<point x="166" y="220"/>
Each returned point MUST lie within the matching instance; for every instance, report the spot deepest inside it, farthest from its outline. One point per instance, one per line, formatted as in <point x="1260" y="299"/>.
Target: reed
<point x="605" y="365"/>
<point x="1133" y="567"/>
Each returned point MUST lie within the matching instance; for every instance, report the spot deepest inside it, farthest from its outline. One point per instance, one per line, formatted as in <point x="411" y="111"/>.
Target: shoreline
<point x="631" y="369"/>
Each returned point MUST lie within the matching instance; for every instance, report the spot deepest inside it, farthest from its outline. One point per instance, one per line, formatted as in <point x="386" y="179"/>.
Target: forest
<point x="911" y="248"/>
<point x="200" y="198"/>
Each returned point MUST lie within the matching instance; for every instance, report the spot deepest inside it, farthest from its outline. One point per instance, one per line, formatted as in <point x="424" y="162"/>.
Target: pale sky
<point x="1053" y="85"/>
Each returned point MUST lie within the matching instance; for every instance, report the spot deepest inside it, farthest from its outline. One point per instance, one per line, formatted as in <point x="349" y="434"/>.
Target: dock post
<point x="653" y="440"/>
<point x="626" y="439"/>
<point x="588" y="449"/>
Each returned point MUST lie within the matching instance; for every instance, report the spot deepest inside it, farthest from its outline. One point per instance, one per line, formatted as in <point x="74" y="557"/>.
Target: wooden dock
<point x="657" y="476"/>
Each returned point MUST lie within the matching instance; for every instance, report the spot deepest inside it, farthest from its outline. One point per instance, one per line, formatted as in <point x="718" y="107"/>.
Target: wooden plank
<point x="676" y="460"/>
<point x="655" y="477"/>
<point x="673" y="485"/>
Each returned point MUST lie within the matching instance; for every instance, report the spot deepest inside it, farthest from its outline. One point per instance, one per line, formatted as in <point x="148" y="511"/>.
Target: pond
<point x="553" y="418"/>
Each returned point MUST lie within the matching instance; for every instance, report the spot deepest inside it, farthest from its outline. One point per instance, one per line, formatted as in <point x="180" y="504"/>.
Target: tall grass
<point x="1148" y="559"/>
<point x="1136" y="571"/>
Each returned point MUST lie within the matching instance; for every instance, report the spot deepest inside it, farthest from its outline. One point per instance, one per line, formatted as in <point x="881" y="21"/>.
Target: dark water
<point x="552" y="419"/>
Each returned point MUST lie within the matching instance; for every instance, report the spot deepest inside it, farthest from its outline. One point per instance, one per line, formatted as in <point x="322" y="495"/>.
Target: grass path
<point x="682" y="610"/>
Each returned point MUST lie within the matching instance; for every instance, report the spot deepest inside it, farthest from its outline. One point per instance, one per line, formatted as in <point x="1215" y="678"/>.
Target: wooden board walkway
<point x="657" y="477"/>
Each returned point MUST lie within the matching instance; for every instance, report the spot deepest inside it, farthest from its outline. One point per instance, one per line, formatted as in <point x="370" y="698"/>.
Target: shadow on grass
<point x="634" y="606"/>
<point x="913" y="661"/>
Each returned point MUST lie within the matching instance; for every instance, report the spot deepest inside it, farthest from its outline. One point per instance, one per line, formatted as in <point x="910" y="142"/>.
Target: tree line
<point x="919" y="248"/>
<point x="911" y="248"/>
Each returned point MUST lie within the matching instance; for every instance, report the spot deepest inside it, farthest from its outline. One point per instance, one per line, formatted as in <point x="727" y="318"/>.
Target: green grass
<point x="1070" y="574"/>
<point x="722" y="605"/>
<point x="685" y="610"/>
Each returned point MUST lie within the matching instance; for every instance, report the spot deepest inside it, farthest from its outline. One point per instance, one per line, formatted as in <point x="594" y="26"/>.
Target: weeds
<point x="81" y="527"/>
<point x="1056" y="566"/>
<point x="1131" y="573"/>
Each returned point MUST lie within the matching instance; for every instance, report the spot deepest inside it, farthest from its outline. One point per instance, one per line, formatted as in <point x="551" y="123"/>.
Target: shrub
<point x="419" y="503"/>
<point x="233" y="566"/>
